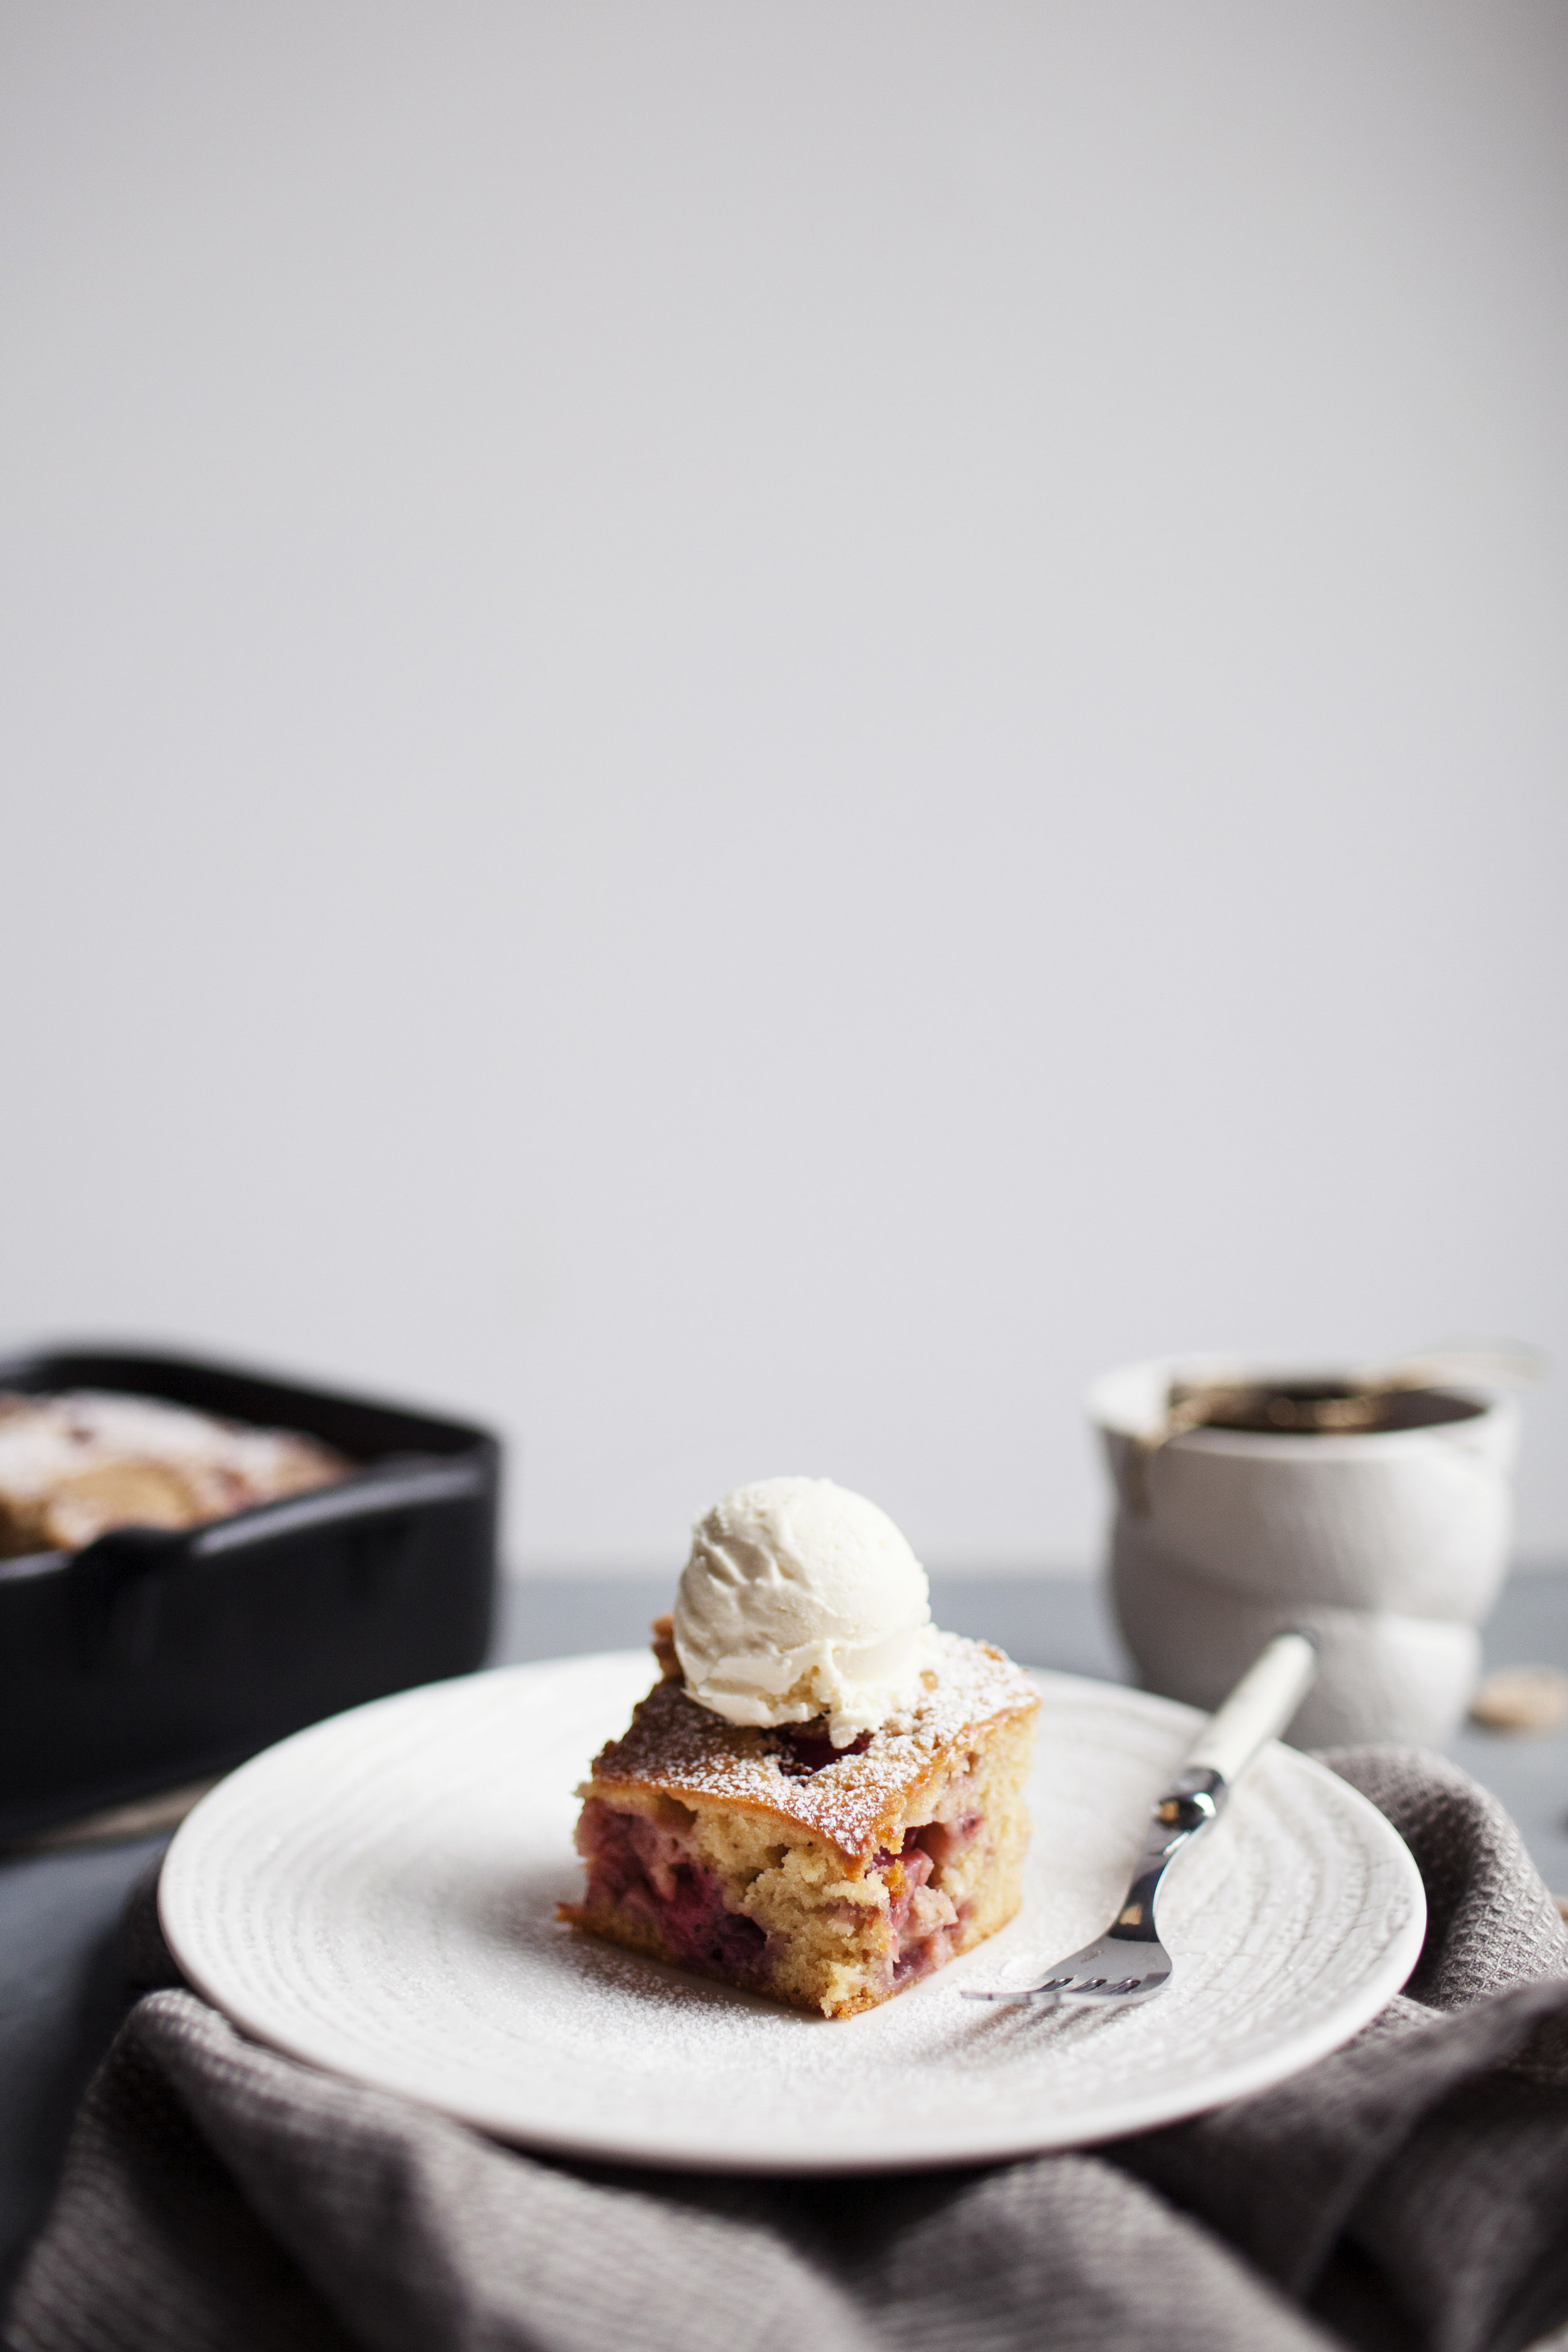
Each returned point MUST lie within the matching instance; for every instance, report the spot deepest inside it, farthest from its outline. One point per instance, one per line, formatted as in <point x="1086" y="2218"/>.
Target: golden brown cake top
<point x="857" y="1801"/>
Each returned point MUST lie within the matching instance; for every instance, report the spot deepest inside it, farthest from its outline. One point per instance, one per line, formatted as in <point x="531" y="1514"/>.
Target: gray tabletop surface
<point x="61" y="1992"/>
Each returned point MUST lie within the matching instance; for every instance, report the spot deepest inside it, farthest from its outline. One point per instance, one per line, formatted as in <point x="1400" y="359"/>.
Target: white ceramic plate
<point x="376" y="1896"/>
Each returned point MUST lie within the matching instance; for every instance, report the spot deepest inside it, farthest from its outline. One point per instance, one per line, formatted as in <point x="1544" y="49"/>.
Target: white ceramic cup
<point x="1389" y="1546"/>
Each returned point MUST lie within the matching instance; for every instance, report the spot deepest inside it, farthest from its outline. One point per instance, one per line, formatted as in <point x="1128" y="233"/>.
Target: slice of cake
<point x="863" y="1822"/>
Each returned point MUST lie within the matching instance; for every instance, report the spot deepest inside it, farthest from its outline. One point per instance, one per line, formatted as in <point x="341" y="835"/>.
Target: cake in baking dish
<point x="822" y="1819"/>
<point x="72" y="1466"/>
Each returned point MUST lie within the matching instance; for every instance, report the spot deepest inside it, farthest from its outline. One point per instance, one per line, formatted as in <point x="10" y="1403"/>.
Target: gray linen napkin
<point x="1409" y="2191"/>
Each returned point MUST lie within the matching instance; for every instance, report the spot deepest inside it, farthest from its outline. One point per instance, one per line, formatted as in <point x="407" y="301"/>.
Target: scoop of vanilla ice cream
<point x="801" y="1598"/>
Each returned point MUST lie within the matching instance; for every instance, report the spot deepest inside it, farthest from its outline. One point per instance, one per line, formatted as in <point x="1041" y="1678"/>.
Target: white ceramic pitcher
<point x="1389" y="1546"/>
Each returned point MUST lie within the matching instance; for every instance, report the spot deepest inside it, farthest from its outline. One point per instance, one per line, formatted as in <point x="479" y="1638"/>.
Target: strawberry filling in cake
<point x="648" y="1873"/>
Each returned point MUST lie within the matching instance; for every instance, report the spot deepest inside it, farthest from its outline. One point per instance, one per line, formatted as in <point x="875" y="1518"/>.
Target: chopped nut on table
<point x="1521" y="1698"/>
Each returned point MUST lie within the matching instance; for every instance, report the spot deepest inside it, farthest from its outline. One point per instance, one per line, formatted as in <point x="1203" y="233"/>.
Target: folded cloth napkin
<point x="1409" y="2191"/>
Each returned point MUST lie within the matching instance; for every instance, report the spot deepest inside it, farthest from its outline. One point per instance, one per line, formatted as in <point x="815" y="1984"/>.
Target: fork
<point x="1129" y="1963"/>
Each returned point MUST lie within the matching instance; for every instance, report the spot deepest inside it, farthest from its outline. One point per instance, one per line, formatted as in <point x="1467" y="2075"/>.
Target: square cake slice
<point x="826" y="1878"/>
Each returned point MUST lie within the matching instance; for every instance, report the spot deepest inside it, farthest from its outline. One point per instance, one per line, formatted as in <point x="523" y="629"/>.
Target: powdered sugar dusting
<point x="680" y="1746"/>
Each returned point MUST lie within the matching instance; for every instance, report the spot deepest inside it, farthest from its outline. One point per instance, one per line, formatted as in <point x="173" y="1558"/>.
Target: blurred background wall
<point x="743" y="733"/>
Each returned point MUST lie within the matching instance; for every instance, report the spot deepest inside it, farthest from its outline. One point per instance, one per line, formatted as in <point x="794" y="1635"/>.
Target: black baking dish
<point x="155" y="1657"/>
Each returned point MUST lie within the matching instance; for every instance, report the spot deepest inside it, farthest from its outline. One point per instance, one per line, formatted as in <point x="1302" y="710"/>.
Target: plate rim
<point x="948" y="2144"/>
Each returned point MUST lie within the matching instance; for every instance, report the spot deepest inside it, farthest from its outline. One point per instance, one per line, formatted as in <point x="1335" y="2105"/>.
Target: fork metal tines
<point x="1129" y="1962"/>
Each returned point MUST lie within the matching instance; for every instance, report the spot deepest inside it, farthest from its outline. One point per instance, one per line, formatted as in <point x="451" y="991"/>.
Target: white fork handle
<point x="1258" y="1708"/>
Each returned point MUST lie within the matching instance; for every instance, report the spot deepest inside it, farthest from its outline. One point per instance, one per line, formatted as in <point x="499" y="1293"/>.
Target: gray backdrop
<point x="743" y="733"/>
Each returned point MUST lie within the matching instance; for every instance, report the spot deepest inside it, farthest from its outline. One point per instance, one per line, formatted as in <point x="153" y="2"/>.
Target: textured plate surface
<point x="376" y="1896"/>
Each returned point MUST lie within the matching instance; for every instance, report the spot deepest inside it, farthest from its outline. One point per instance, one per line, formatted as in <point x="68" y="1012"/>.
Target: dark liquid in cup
<point x="1319" y="1408"/>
